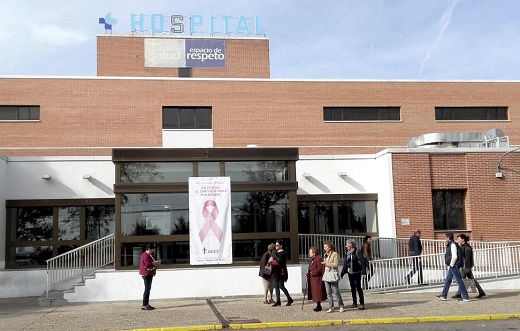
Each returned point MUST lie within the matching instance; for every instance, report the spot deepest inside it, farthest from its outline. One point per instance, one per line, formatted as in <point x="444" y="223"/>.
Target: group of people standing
<point x="323" y="274"/>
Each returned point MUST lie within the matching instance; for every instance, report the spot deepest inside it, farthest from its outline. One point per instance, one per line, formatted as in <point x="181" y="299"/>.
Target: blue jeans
<point x="333" y="288"/>
<point x="454" y="272"/>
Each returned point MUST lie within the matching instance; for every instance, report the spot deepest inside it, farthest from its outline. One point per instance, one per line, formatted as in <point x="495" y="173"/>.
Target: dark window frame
<point x="20" y="113"/>
<point x="497" y="113"/>
<point x="362" y="114"/>
<point x="56" y="245"/>
<point x="444" y="206"/>
<point x="187" y="118"/>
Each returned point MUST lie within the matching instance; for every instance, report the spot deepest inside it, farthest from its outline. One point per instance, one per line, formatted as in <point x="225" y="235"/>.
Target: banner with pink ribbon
<point x="210" y="220"/>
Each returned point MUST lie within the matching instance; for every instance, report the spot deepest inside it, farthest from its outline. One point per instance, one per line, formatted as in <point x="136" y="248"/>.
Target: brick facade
<point x="491" y="203"/>
<point x="93" y="113"/>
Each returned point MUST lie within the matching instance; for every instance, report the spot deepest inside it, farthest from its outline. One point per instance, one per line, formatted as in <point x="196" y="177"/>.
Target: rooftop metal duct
<point x="490" y="139"/>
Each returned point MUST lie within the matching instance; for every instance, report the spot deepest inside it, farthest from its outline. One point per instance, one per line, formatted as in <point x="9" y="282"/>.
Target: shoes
<point x="150" y="307"/>
<point x="317" y="308"/>
<point x="147" y="307"/>
<point x="480" y="295"/>
<point x="440" y="297"/>
<point x="463" y="300"/>
<point x="271" y="301"/>
<point x="330" y="310"/>
<point x="266" y="302"/>
<point x="289" y="302"/>
<point x="354" y="305"/>
<point x="361" y="307"/>
<point x="277" y="303"/>
<point x="456" y="296"/>
<point x="341" y="309"/>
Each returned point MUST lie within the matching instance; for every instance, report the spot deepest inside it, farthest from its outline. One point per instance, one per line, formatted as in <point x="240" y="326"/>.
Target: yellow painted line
<point x="382" y="320"/>
<point x="396" y="320"/>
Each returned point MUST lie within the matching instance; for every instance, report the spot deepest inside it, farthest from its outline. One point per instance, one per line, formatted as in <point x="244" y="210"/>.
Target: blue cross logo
<point x="108" y="21"/>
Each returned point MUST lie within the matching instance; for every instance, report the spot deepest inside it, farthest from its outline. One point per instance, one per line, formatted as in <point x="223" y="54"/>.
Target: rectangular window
<point x="185" y="72"/>
<point x="156" y="172"/>
<point x="448" y="209"/>
<point x="19" y="113"/>
<point x="334" y="114"/>
<point x="186" y="117"/>
<point x="352" y="216"/>
<point x="257" y="171"/>
<point x="471" y="113"/>
<point x="151" y="214"/>
<point x="323" y="217"/>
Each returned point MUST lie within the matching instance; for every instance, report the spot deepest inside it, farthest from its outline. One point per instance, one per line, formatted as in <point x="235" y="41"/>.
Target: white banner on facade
<point x="210" y="220"/>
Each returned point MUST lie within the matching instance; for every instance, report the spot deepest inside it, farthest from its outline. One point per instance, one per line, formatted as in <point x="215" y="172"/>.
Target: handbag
<point x="470" y="285"/>
<point x="331" y="275"/>
<point x="151" y="271"/>
<point x="268" y="269"/>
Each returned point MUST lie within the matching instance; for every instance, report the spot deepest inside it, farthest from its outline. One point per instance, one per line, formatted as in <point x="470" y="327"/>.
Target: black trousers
<point x="355" y="285"/>
<point x="147" y="289"/>
<point x="416" y="266"/>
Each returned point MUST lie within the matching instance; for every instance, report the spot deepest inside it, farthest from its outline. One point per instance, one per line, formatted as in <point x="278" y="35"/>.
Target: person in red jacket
<point x="315" y="285"/>
<point x="147" y="269"/>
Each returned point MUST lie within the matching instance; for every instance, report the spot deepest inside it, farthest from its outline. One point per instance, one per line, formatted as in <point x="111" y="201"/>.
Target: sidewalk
<point x="217" y="313"/>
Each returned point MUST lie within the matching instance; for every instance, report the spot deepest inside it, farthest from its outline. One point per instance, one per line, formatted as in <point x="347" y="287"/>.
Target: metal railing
<point x="489" y="262"/>
<point x="385" y="248"/>
<point x="80" y="262"/>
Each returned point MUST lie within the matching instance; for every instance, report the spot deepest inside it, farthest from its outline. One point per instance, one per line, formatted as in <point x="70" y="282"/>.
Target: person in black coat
<point x="355" y="266"/>
<point x="415" y="250"/>
<point x="279" y="273"/>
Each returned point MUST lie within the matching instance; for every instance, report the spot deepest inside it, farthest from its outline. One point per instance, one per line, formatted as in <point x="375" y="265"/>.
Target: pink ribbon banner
<point x="211" y="221"/>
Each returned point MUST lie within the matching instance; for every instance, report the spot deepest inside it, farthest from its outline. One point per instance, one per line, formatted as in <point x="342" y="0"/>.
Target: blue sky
<point x="309" y="39"/>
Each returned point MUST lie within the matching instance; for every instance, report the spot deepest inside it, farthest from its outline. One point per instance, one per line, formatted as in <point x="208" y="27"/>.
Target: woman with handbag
<point x="147" y="269"/>
<point x="466" y="270"/>
<point x="331" y="276"/>
<point x="279" y="273"/>
<point x="265" y="273"/>
<point x="315" y="286"/>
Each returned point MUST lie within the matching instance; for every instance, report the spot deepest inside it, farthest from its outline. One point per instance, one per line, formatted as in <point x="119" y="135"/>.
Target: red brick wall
<point x="124" y="56"/>
<point x="491" y="204"/>
<point x="115" y="112"/>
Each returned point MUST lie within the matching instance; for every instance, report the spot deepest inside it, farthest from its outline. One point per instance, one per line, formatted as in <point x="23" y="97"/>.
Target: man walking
<point x="454" y="260"/>
<point x="415" y="250"/>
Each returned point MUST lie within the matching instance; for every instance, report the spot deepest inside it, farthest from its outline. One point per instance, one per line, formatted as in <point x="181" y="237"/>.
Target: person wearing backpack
<point x="355" y="265"/>
<point x="454" y="259"/>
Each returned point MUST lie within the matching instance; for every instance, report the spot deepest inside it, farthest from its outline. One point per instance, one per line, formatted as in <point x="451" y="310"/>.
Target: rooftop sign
<point x="188" y="25"/>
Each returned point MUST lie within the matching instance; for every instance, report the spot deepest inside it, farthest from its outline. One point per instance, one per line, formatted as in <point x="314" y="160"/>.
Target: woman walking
<point x="332" y="286"/>
<point x="279" y="273"/>
<point x="315" y="286"/>
<point x="366" y="249"/>
<point x="267" y="279"/>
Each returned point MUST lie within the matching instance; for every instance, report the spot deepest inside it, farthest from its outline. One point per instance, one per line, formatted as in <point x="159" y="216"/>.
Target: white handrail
<point x="80" y="262"/>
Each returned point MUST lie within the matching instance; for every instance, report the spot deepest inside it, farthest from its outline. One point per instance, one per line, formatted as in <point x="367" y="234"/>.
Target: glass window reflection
<point x="259" y="212"/>
<point x="156" y="172"/>
<point x="257" y="171"/>
<point x="68" y="223"/>
<point x="100" y="221"/>
<point x="154" y="214"/>
<point x="32" y="223"/>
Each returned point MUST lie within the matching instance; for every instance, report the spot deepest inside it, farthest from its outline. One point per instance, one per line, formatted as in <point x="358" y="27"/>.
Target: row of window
<point x="39" y="233"/>
<point x="200" y="117"/>
<point x="171" y="172"/>
<point x="334" y="114"/>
